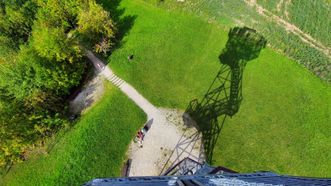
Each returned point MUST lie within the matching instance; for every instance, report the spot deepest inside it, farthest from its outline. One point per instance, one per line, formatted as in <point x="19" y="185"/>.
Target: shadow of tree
<point x="224" y="96"/>
<point x="123" y="22"/>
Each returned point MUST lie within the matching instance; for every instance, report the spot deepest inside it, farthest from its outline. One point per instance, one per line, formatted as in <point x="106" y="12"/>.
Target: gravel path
<point x="167" y="141"/>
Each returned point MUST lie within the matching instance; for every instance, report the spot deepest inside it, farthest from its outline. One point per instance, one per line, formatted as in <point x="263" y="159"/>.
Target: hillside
<point x="299" y="29"/>
<point x="168" y="52"/>
<point x="284" y="117"/>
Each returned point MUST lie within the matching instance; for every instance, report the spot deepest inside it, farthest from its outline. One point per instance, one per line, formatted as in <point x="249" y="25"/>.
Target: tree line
<point x="42" y="47"/>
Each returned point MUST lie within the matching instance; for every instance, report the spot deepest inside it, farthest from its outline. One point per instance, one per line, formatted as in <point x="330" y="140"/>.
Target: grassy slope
<point x="284" y="122"/>
<point x="174" y="54"/>
<point x="285" y="116"/>
<point x="95" y="147"/>
<point x="236" y="12"/>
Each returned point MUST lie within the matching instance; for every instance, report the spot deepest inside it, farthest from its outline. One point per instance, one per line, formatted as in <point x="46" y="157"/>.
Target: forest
<point x="42" y="59"/>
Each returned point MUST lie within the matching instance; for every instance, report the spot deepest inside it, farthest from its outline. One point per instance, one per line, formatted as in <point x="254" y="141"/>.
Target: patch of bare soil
<point x="279" y="5"/>
<point x="167" y="142"/>
<point x="287" y="4"/>
<point x="90" y="93"/>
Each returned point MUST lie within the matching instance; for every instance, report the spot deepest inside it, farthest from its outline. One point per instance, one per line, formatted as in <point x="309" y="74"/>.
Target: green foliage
<point x="41" y="60"/>
<point x="52" y="34"/>
<point x="15" y="131"/>
<point x="53" y="44"/>
<point x="7" y="52"/>
<point x="59" y="14"/>
<point x="16" y="19"/>
<point x="33" y="99"/>
<point x="96" y="26"/>
<point x="94" y="147"/>
<point x="33" y="74"/>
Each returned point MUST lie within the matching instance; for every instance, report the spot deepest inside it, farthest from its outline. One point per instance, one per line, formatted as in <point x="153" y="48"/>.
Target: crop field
<point x="313" y="17"/>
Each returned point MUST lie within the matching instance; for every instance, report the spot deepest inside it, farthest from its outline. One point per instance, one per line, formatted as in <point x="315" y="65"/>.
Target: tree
<point x="33" y="73"/>
<point x="96" y="27"/>
<point x="16" y="19"/>
<point x="59" y="13"/>
<point x="15" y="130"/>
<point x="40" y="62"/>
<point x="7" y="51"/>
<point x="53" y="44"/>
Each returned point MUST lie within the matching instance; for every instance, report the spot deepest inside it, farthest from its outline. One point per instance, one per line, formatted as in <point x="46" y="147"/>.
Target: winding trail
<point x="163" y="144"/>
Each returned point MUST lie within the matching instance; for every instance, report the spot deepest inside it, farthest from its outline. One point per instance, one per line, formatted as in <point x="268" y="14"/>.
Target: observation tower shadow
<point x="224" y="96"/>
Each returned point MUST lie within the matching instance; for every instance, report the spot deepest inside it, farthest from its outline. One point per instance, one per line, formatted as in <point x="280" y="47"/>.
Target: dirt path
<point x="162" y="139"/>
<point x="290" y="27"/>
<point x="90" y="93"/>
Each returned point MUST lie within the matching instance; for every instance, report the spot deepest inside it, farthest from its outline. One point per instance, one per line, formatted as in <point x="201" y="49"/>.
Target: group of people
<point x="142" y="132"/>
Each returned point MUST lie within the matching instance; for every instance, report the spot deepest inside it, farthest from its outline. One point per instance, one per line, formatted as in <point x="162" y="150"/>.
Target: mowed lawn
<point x="94" y="147"/>
<point x="284" y="123"/>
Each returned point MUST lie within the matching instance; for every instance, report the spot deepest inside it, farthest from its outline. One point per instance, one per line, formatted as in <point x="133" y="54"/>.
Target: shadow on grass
<point x="224" y="96"/>
<point x="123" y="22"/>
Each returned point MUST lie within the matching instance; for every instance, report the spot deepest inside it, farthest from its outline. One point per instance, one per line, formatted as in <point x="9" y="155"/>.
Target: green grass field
<point x="284" y="121"/>
<point x="94" y="147"/>
<point x="311" y="16"/>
